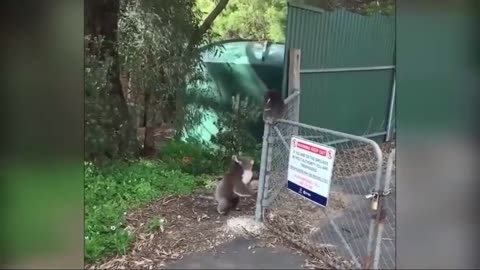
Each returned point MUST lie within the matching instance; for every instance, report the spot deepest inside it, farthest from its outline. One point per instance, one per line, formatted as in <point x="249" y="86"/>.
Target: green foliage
<point x="104" y="125"/>
<point x="384" y="7"/>
<point x="112" y="190"/>
<point x="155" y="224"/>
<point x="363" y="7"/>
<point x="153" y="37"/>
<point x="249" y="19"/>
<point x="153" y="44"/>
<point x="234" y="135"/>
<point x="192" y="157"/>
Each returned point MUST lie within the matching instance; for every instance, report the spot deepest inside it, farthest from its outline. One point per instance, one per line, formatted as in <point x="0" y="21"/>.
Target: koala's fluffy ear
<point x="252" y="161"/>
<point x="234" y="158"/>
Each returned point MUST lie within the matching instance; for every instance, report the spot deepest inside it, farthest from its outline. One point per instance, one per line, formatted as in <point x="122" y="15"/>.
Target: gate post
<point x="263" y="173"/>
<point x="381" y="221"/>
<point x="294" y="82"/>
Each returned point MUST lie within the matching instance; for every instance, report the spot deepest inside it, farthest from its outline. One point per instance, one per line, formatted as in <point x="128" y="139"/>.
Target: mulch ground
<point x="191" y="225"/>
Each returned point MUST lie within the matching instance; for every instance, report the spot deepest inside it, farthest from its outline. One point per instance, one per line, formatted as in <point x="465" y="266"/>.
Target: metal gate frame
<point x="264" y="199"/>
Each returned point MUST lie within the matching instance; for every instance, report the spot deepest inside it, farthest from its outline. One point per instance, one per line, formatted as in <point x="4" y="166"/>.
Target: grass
<point x="192" y="158"/>
<point x="112" y="190"/>
<point x="155" y="224"/>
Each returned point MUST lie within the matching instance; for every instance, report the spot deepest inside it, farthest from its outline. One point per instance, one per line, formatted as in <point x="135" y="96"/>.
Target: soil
<point x="192" y="225"/>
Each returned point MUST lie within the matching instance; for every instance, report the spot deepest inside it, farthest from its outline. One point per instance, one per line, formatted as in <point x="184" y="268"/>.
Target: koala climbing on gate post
<point x="274" y="105"/>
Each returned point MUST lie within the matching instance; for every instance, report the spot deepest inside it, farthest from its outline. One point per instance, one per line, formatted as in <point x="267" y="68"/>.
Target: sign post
<point x="310" y="169"/>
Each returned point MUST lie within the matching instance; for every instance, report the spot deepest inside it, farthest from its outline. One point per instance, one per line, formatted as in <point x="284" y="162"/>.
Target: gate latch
<point x="375" y="197"/>
<point x="372" y="195"/>
<point x="376" y="194"/>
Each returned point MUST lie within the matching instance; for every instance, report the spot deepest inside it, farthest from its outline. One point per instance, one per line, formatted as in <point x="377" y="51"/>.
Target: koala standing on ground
<point x="234" y="184"/>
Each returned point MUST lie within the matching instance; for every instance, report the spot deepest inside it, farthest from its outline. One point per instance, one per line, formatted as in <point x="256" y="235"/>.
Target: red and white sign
<point x="315" y="149"/>
<point x="310" y="167"/>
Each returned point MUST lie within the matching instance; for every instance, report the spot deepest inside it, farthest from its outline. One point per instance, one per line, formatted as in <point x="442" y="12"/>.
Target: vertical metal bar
<point x="296" y="114"/>
<point x="293" y="71"/>
<point x="268" y="169"/>
<point x="375" y="215"/>
<point x="294" y="84"/>
<point x="262" y="178"/>
<point x="388" y="179"/>
<point x="371" y="233"/>
<point x="344" y="241"/>
<point x="391" y="112"/>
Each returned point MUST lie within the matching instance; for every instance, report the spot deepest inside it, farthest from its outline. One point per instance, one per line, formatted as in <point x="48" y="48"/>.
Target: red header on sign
<point x="312" y="149"/>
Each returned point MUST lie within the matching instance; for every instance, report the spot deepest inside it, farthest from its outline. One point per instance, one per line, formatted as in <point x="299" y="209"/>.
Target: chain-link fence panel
<point x="341" y="232"/>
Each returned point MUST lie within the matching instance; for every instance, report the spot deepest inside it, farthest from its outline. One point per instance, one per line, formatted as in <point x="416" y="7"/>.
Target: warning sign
<point x="310" y="167"/>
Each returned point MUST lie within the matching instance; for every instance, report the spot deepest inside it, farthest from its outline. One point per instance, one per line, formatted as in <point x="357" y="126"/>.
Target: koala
<point x="234" y="184"/>
<point x="274" y="106"/>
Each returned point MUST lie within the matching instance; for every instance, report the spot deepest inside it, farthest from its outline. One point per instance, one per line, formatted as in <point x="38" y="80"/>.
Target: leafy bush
<point x="157" y="50"/>
<point x="153" y="37"/>
<point x="112" y="190"/>
<point x="192" y="157"/>
<point x="235" y="134"/>
<point x="102" y="117"/>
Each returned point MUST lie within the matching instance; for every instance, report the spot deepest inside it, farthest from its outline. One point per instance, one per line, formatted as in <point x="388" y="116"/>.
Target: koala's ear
<point x="252" y="161"/>
<point x="234" y="158"/>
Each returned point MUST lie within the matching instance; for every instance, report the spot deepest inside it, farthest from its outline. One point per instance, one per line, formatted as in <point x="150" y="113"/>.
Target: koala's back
<point x="224" y="189"/>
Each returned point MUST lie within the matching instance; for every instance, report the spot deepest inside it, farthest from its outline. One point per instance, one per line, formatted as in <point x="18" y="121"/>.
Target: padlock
<point x="375" y="203"/>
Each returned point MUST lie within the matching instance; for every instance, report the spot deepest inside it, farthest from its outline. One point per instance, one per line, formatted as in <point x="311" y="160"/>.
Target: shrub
<point x="110" y="191"/>
<point x="235" y="134"/>
<point x="192" y="157"/>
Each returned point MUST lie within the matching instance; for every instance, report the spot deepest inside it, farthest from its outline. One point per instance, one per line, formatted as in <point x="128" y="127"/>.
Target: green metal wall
<point x="355" y="102"/>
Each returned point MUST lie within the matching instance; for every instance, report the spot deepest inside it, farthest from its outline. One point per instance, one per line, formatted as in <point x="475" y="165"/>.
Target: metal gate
<point x="344" y="233"/>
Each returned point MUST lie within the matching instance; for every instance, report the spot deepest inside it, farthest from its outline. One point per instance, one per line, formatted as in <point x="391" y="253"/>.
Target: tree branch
<point x="197" y="34"/>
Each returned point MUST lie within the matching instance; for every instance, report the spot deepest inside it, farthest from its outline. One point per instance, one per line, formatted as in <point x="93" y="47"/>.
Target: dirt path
<point x="193" y="229"/>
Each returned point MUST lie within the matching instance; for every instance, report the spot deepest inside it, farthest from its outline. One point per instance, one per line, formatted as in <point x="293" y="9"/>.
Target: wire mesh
<point x="387" y="258"/>
<point x="340" y="231"/>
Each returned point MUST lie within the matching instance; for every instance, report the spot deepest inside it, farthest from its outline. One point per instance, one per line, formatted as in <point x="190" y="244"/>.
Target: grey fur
<point x="231" y="187"/>
<point x="274" y="105"/>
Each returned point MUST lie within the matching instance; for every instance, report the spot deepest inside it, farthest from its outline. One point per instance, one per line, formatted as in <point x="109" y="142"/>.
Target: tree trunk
<point x="149" y="149"/>
<point x="197" y="35"/>
<point x="101" y="20"/>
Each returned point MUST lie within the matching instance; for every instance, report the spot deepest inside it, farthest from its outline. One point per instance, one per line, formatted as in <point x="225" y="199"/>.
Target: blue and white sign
<point x="310" y="168"/>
